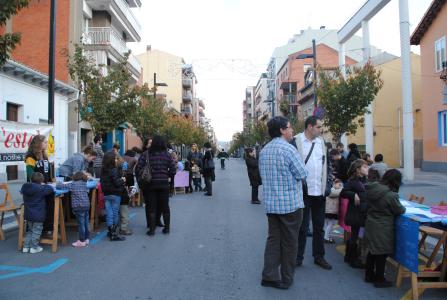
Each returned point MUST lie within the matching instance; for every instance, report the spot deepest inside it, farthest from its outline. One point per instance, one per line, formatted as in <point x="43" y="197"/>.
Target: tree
<point x="8" y="41"/>
<point x="150" y="118"/>
<point x="107" y="98"/>
<point x="346" y="100"/>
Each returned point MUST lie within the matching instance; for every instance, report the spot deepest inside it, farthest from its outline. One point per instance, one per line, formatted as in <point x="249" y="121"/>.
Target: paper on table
<point x="418" y="211"/>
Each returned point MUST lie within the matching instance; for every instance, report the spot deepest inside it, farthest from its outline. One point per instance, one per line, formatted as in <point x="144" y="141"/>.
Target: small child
<point x="34" y="194"/>
<point x="196" y="177"/>
<point x="332" y="203"/>
<point x="80" y="204"/>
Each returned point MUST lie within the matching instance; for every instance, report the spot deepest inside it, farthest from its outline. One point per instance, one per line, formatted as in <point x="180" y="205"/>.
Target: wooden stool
<point x="7" y="206"/>
<point x="439" y="234"/>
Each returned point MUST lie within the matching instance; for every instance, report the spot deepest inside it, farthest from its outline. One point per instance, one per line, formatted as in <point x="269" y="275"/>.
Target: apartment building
<point x="431" y="34"/>
<point x="302" y="41"/>
<point x="103" y="26"/>
<point x="164" y="68"/>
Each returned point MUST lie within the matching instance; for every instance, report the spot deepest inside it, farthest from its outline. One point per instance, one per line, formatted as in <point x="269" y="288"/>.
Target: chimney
<point x="148" y="48"/>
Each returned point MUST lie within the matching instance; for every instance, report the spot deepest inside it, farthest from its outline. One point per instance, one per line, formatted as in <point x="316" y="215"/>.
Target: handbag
<point x="304" y="183"/>
<point x="145" y="174"/>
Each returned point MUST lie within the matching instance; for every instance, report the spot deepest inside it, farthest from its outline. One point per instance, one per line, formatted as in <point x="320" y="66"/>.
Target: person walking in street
<point x="112" y="184"/>
<point x="97" y="163"/>
<point x="317" y="185"/>
<point x="355" y="191"/>
<point x="35" y="196"/>
<point x="384" y="207"/>
<point x="78" y="162"/>
<point x="128" y="169"/>
<point x="208" y="169"/>
<point x="282" y="171"/>
<point x="156" y="192"/>
<point x="253" y="174"/>
<point x="222" y="156"/>
<point x="332" y="205"/>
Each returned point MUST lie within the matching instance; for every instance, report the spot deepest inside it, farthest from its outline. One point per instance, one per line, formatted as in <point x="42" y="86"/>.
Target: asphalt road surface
<point x="214" y="251"/>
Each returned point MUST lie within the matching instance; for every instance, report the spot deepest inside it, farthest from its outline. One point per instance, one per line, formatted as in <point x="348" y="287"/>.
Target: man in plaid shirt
<point x="282" y="170"/>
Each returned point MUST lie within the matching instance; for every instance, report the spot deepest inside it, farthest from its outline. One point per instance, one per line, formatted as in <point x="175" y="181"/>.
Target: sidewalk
<point x="431" y="185"/>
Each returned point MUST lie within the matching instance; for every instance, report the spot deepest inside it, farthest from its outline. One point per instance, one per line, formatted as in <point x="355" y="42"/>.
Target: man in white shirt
<point x="312" y="149"/>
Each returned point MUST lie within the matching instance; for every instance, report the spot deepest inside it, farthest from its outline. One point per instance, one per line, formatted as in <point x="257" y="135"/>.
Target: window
<point x="12" y="172"/>
<point x="440" y="55"/>
<point x="442" y="128"/>
<point x="12" y="112"/>
<point x="306" y="67"/>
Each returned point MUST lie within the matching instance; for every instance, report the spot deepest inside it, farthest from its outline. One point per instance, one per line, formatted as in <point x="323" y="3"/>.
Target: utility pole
<point x="155" y="86"/>
<point x="51" y="62"/>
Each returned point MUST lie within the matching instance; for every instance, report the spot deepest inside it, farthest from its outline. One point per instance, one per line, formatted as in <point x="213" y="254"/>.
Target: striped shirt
<point x="282" y="170"/>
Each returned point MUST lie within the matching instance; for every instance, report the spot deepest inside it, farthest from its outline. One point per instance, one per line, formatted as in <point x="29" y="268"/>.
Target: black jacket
<point x="253" y="171"/>
<point x="208" y="164"/>
<point x="356" y="215"/>
<point x="112" y="182"/>
<point x="34" y="198"/>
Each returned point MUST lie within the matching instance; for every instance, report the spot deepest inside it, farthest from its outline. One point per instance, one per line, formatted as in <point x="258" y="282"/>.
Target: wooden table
<point x="59" y="223"/>
<point x="59" y="219"/>
<point x="412" y="249"/>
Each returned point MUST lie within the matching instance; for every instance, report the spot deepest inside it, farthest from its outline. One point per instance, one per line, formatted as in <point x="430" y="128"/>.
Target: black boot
<point x="152" y="222"/>
<point x="355" y="261"/>
<point x="110" y="232"/>
<point x="347" y="252"/>
<point x="115" y="236"/>
<point x="167" y="220"/>
<point x="158" y="222"/>
<point x="370" y="275"/>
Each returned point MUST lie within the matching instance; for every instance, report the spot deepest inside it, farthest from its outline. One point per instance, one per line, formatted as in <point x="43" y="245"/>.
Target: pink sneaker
<point x="79" y="244"/>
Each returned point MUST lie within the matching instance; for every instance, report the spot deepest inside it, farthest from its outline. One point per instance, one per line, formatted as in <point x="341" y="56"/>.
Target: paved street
<point x="215" y="251"/>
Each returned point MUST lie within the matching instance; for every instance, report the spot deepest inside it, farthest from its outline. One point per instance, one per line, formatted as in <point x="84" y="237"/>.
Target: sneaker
<point x="256" y="202"/>
<point x="25" y="250"/>
<point x="79" y="244"/>
<point x="35" y="250"/>
<point x="87" y="242"/>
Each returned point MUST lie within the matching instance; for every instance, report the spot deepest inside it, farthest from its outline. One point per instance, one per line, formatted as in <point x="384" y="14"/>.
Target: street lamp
<point x="157" y="84"/>
<point x="314" y="56"/>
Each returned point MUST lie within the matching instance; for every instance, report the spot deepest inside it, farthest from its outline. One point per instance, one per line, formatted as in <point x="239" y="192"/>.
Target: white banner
<point x="15" y="138"/>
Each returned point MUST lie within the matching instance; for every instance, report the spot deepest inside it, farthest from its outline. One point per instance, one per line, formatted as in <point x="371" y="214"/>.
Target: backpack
<point x="144" y="174"/>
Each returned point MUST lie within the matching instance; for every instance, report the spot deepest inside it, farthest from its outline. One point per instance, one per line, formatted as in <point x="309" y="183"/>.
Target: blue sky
<point x="230" y="41"/>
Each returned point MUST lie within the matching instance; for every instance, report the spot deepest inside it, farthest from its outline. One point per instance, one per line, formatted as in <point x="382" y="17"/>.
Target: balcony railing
<point x="105" y="36"/>
<point x="124" y="6"/>
<point x="289" y="98"/>
<point x="187" y="96"/>
<point x="187" y="83"/>
<point x="133" y="61"/>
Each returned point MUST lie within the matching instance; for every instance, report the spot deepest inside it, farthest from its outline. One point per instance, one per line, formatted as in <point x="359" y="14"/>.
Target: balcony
<point x="122" y="15"/>
<point x="201" y="112"/>
<point x="289" y="98"/>
<point x="186" y="109"/>
<point x="187" y="96"/>
<point x="201" y="104"/>
<point x="187" y="83"/>
<point x="105" y="38"/>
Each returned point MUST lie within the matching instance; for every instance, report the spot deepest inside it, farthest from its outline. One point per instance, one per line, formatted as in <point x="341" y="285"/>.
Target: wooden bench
<point x="7" y="206"/>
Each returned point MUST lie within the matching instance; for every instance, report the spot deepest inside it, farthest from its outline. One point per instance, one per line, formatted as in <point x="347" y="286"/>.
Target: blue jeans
<point x="113" y="209"/>
<point x="82" y="216"/>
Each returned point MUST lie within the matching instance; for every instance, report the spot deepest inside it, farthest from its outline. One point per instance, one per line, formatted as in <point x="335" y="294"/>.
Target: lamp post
<point x="157" y="84"/>
<point x="314" y="57"/>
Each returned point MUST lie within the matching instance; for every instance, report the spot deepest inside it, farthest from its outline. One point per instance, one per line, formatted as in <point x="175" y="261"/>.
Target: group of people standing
<point x="301" y="180"/>
<point x="116" y="175"/>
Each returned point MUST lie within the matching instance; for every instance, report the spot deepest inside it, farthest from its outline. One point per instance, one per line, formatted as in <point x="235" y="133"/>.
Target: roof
<point x="34" y="77"/>
<point x="427" y="20"/>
